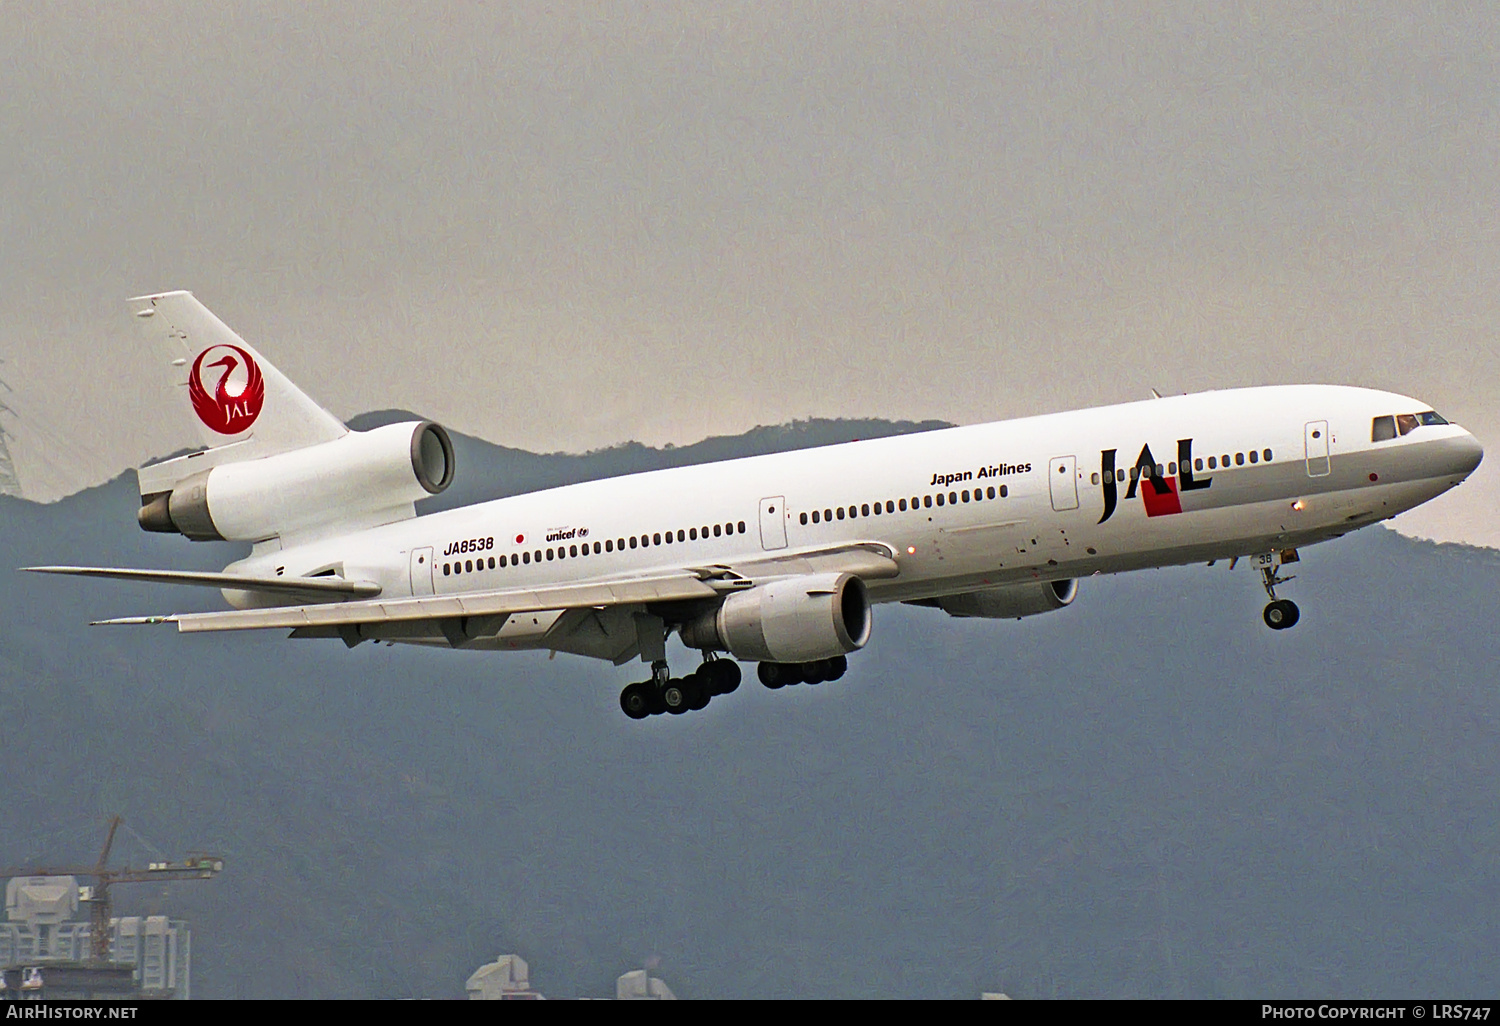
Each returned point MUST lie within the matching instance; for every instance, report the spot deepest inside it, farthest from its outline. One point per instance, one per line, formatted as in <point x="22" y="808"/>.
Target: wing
<point x="594" y="618"/>
<point x="299" y="587"/>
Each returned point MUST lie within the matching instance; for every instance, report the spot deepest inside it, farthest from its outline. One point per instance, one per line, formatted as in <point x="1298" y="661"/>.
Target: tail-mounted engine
<point x="363" y="477"/>
<point x="791" y="621"/>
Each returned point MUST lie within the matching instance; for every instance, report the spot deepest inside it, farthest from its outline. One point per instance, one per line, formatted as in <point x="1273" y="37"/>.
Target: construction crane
<point x="194" y="867"/>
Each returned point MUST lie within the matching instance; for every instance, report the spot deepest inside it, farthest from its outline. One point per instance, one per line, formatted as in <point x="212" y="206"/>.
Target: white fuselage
<point x="1316" y="474"/>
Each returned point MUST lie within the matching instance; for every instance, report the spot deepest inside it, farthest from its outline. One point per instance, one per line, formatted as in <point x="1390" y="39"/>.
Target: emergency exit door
<point x="773" y="522"/>
<point x="1317" y="449"/>
<point x="421" y="571"/>
<point x="1062" y="473"/>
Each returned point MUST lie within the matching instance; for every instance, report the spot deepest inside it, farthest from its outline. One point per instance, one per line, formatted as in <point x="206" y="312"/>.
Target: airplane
<point x="776" y="559"/>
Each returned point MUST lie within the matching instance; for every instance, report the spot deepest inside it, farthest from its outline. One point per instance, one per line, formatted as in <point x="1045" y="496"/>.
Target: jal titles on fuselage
<point x="994" y="470"/>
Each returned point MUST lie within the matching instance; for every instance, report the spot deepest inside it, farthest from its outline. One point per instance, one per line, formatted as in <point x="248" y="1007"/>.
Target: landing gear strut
<point x="1279" y="614"/>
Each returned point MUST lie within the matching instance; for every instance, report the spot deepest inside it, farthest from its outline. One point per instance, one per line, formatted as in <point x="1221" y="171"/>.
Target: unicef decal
<point x="235" y="401"/>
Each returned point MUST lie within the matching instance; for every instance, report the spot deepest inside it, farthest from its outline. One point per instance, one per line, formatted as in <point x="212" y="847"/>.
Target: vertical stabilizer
<point x="231" y="392"/>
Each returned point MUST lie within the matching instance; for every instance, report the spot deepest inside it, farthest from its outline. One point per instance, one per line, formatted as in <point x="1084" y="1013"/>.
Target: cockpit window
<point x="1383" y="429"/>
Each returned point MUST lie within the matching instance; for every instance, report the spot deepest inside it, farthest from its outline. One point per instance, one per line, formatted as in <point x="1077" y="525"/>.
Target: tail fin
<point x="243" y="407"/>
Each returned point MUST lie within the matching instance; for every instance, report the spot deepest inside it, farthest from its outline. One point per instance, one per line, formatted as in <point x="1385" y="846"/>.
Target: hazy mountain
<point x="1147" y="793"/>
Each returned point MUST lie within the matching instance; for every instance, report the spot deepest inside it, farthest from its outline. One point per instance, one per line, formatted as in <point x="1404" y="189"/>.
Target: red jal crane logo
<point x="236" y="400"/>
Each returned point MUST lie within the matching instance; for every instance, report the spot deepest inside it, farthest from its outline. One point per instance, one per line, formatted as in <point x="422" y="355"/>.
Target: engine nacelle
<point x="364" y="476"/>
<point x="796" y="620"/>
<point x="1010" y="602"/>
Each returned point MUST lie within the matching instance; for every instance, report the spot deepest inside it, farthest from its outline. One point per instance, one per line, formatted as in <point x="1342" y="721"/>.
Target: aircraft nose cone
<point x="1466" y="453"/>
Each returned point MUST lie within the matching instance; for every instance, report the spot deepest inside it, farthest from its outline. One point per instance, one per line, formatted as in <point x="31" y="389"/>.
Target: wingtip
<point x="158" y="295"/>
<point x="134" y="621"/>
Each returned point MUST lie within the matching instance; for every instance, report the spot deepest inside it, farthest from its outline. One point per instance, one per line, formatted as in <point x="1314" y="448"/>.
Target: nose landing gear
<point x="1279" y="614"/>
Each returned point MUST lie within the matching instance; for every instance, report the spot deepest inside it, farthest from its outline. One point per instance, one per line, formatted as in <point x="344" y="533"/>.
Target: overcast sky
<point x="561" y="227"/>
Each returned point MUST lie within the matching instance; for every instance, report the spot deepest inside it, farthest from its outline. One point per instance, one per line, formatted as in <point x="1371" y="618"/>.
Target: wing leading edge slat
<point x="672" y="588"/>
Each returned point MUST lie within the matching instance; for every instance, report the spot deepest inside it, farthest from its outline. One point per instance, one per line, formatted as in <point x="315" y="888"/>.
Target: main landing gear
<point x="779" y="675"/>
<point x="677" y="695"/>
<point x="1279" y="614"/>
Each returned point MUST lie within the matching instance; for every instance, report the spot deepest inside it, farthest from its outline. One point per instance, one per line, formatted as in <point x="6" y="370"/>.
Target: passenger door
<point x="1062" y="476"/>
<point x="421" y="571"/>
<point x="773" y="522"/>
<point x="1316" y="437"/>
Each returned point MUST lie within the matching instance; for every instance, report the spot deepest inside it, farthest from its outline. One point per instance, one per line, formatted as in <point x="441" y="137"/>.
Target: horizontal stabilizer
<point x="332" y="587"/>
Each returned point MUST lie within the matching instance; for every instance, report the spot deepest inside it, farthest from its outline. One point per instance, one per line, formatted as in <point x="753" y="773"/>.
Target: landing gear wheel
<point x="723" y="675"/>
<point x="635" y="700"/>
<point x="777" y="675"/>
<point x="1281" y="614"/>
<point x="675" y="697"/>
<point x="700" y="690"/>
<point x="837" y="667"/>
<point x="815" y="672"/>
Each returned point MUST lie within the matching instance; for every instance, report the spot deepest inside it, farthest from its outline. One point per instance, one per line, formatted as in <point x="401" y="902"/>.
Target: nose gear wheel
<point x="1281" y="614"/>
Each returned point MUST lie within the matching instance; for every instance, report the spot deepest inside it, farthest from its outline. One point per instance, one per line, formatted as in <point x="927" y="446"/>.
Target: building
<point x="508" y="978"/>
<point x="44" y="930"/>
<point x="638" y="985"/>
<point x="68" y="981"/>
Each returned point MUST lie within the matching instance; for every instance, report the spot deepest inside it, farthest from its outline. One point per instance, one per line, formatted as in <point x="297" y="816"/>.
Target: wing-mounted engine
<point x="1010" y="602"/>
<point x="795" y="620"/>
<point x="361" y="479"/>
